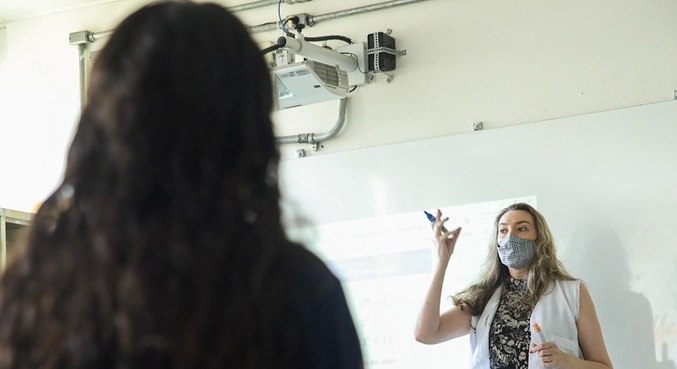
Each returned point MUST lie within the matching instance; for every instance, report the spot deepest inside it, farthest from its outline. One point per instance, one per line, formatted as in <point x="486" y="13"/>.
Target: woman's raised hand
<point x="446" y="240"/>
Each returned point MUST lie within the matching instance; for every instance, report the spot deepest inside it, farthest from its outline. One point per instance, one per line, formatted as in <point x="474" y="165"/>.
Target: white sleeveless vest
<point x="556" y="312"/>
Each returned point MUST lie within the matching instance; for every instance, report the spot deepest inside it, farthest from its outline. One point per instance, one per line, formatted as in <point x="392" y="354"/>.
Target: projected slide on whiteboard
<point x="385" y="264"/>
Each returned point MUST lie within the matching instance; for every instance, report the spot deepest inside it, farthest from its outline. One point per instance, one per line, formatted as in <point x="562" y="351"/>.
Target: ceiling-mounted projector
<point x="308" y="82"/>
<point x="324" y="75"/>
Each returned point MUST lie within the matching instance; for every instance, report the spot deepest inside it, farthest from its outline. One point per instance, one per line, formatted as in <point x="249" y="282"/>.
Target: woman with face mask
<point x="525" y="311"/>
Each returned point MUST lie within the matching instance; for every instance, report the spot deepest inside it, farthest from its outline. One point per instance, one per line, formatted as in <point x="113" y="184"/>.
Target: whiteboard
<point x="605" y="182"/>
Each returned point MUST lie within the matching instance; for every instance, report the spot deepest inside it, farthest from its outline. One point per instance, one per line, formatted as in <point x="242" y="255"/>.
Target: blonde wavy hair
<point x="544" y="269"/>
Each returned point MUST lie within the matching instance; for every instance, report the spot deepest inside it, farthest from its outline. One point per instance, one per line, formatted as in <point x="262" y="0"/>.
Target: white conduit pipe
<point x="314" y="138"/>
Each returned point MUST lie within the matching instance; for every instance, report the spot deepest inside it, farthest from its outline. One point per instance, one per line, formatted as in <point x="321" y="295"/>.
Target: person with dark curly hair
<point x="163" y="246"/>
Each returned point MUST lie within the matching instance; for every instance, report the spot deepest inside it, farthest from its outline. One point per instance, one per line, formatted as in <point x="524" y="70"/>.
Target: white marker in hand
<point x="537" y="336"/>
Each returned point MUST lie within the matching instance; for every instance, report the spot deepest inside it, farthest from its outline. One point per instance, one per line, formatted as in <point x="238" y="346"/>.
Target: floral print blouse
<point x="510" y="335"/>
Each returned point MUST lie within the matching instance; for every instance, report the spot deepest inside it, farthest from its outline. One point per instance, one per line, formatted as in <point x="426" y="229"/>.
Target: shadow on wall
<point x="597" y="256"/>
<point x="3" y="43"/>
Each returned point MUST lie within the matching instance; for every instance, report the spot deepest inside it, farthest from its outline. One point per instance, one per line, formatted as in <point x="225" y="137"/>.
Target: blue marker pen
<point x="432" y="219"/>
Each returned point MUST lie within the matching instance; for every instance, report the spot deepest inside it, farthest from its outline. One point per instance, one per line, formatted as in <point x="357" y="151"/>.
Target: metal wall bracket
<point x="314" y="139"/>
<point x="80" y="37"/>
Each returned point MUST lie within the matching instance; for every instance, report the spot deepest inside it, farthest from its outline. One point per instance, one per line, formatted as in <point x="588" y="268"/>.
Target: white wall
<point x="39" y="100"/>
<point x="499" y="62"/>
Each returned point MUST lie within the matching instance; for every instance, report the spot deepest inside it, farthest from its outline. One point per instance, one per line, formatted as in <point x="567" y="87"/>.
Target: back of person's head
<point x="178" y="110"/>
<point x="158" y="249"/>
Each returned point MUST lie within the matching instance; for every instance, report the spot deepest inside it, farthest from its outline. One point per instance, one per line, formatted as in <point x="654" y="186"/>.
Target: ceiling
<point x="14" y="10"/>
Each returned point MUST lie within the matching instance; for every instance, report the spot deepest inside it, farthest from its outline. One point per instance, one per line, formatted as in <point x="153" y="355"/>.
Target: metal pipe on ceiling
<point x="362" y="9"/>
<point x="236" y="8"/>
<point x="100" y="35"/>
<point x="271" y="26"/>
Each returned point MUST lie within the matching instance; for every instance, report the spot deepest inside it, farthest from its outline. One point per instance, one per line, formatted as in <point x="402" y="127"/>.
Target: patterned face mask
<point x="515" y="252"/>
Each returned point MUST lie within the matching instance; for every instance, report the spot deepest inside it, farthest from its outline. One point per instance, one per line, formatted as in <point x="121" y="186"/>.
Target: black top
<point x="326" y="332"/>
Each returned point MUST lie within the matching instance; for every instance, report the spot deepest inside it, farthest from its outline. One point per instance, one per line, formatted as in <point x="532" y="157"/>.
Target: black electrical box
<point x="381" y="52"/>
